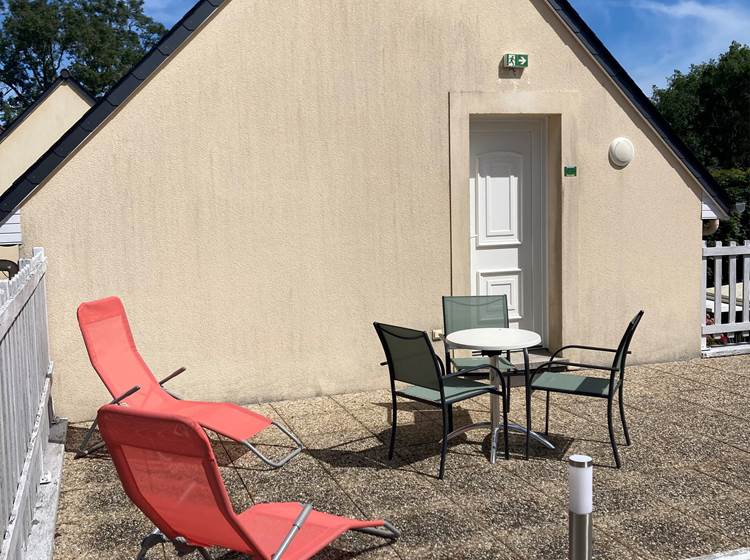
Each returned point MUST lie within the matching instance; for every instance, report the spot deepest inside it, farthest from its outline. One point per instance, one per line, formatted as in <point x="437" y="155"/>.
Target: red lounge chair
<point x="115" y="358"/>
<point x="168" y="469"/>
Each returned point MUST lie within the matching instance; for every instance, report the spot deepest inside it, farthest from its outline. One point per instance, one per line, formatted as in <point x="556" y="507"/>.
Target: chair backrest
<point x="410" y="356"/>
<point x="112" y="350"/>
<point x="474" y="312"/>
<point x="168" y="469"/>
<point x="621" y="354"/>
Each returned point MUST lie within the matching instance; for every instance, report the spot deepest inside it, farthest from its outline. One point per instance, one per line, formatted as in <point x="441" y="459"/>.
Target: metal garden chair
<point x="412" y="360"/>
<point x="168" y="469"/>
<point x="474" y="312"/>
<point x="115" y="358"/>
<point x="597" y="387"/>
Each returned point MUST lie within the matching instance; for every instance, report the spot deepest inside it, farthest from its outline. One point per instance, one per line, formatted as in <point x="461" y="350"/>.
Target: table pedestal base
<point x="512" y="427"/>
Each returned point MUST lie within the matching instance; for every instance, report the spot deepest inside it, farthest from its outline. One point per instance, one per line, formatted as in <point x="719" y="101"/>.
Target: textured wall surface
<point x="38" y="131"/>
<point x="284" y="181"/>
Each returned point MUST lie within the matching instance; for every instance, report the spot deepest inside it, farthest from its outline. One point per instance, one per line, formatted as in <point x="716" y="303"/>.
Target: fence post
<point x="580" y="507"/>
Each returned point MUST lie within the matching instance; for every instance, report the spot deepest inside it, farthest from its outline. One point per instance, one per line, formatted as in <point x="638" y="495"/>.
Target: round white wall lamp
<point x="621" y="152"/>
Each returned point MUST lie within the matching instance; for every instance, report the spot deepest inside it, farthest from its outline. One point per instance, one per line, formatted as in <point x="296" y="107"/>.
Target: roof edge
<point x="29" y="181"/>
<point x="64" y="77"/>
<point x="606" y="60"/>
<point x="48" y="163"/>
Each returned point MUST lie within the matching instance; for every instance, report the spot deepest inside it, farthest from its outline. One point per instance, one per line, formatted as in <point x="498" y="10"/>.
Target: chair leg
<point x="394" y="423"/>
<point x="506" y="391"/>
<point x="450" y="418"/>
<point x="444" y="445"/>
<point x="546" y="416"/>
<point x="612" y="434"/>
<point x="622" y="417"/>
<point x="528" y="398"/>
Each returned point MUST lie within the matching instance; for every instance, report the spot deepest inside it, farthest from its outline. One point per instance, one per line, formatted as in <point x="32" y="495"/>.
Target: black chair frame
<point x="616" y="382"/>
<point x="444" y="405"/>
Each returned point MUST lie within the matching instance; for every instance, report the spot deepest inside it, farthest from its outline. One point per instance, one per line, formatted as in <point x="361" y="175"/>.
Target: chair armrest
<point x="567" y="364"/>
<point x="172" y="375"/>
<point x="296" y="526"/>
<point x="584" y="347"/>
<point x="465" y="371"/>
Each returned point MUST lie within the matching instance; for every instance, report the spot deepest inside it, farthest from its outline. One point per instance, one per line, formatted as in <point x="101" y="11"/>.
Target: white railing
<point x="728" y="331"/>
<point x="25" y="378"/>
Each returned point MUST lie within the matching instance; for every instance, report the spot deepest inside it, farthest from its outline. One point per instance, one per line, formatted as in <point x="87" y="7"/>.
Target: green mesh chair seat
<point x="454" y="389"/>
<point x="571" y="383"/>
<point x="412" y="360"/>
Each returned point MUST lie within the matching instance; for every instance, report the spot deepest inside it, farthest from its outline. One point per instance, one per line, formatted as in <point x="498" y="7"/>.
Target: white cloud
<point x="693" y="32"/>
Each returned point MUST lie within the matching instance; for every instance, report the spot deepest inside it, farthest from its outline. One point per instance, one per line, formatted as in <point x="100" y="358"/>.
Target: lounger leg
<point x="622" y="417"/>
<point x="387" y="531"/>
<point x="444" y="446"/>
<point x="612" y="433"/>
<point x="82" y="450"/>
<point x="284" y="460"/>
<point x="394" y="423"/>
<point x="546" y="416"/>
<point x="151" y="540"/>
<point x="450" y="418"/>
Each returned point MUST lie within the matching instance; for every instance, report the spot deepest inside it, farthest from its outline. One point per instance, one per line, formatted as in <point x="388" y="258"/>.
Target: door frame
<point x="462" y="106"/>
<point x="537" y="126"/>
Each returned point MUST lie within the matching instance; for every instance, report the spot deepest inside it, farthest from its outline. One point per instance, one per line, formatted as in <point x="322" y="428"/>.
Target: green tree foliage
<point x="97" y="40"/>
<point x="709" y="107"/>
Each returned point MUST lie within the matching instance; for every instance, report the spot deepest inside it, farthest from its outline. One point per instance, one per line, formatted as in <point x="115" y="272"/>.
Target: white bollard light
<point x="580" y="507"/>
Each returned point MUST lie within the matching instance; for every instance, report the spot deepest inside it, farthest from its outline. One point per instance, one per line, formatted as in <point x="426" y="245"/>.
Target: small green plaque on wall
<point x="571" y="171"/>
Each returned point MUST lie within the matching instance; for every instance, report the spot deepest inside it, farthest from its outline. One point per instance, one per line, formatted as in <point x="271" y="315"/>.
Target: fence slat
<point x="717" y="287"/>
<point x="24" y="399"/>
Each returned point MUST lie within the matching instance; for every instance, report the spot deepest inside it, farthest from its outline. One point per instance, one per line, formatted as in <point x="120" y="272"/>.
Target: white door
<point x="508" y="237"/>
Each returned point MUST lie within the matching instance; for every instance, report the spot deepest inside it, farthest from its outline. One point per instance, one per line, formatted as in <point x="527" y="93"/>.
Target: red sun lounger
<point x="168" y="469"/>
<point x="115" y="358"/>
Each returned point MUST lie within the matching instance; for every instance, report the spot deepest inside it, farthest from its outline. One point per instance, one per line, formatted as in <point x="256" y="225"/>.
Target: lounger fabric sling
<point x="114" y="356"/>
<point x="168" y="469"/>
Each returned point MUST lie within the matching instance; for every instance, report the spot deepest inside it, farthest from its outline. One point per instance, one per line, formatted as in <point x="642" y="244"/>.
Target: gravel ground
<point x="683" y="491"/>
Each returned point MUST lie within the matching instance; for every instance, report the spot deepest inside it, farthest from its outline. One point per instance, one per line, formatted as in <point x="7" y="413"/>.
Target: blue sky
<point x="650" y="38"/>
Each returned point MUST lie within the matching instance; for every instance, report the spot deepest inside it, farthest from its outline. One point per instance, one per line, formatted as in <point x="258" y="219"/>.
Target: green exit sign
<point x="516" y="60"/>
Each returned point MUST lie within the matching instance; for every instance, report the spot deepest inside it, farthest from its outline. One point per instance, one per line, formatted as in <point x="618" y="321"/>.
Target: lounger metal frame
<point x="156" y="537"/>
<point x="83" y="450"/>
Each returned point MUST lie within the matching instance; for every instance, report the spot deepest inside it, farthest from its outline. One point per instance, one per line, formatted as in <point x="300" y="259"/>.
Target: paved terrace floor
<point x="684" y="490"/>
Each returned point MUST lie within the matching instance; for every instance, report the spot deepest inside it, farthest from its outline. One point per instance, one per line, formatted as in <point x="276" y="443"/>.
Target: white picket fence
<point x="727" y="299"/>
<point x="25" y="406"/>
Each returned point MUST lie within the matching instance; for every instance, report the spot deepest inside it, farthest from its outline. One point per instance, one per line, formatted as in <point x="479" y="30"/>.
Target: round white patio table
<point x="492" y="342"/>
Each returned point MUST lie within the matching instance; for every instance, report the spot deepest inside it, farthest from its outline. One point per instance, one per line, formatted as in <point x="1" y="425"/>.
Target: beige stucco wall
<point x="285" y="181"/>
<point x="39" y="130"/>
<point x="9" y="253"/>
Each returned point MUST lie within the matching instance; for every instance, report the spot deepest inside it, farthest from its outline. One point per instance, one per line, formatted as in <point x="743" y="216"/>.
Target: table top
<point x="493" y="339"/>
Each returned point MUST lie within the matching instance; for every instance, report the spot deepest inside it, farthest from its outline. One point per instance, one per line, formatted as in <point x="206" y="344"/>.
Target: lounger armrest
<point x="172" y="375"/>
<point x="125" y="395"/>
<point x="296" y="526"/>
